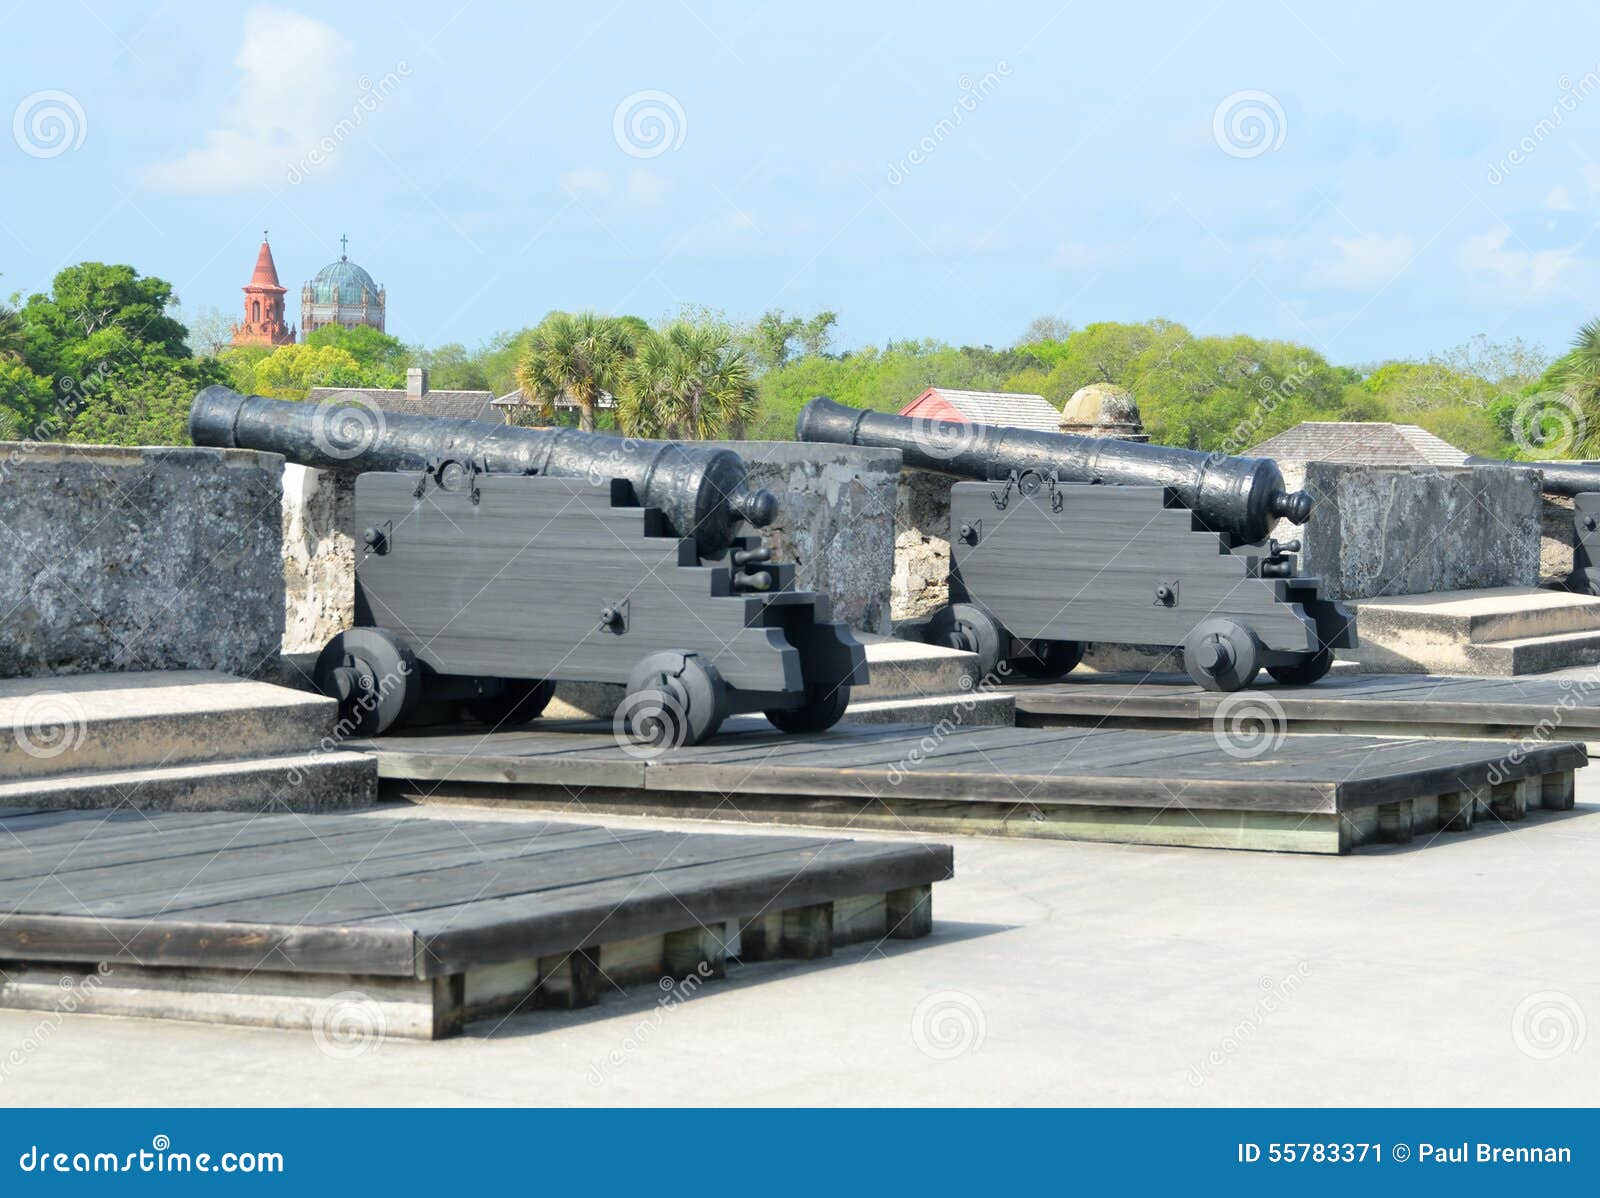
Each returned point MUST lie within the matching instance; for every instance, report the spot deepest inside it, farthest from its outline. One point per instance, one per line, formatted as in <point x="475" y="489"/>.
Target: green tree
<point x="25" y="402"/>
<point x="13" y="335"/>
<point x="381" y="357"/>
<point x="687" y="381"/>
<point x="580" y="356"/>
<point x="290" y="371"/>
<point x="95" y="313"/>
<point x="453" y="367"/>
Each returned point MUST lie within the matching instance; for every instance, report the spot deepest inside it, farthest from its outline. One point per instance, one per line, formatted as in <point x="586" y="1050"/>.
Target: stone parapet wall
<point x="1407" y="530"/>
<point x="836" y="520"/>
<point x="118" y="558"/>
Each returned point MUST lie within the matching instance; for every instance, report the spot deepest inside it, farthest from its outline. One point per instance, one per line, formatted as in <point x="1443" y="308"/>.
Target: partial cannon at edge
<point x="703" y="492"/>
<point x="1241" y="497"/>
<point x="1560" y="478"/>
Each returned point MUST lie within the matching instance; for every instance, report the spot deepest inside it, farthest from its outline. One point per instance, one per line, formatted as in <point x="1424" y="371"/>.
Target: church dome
<point x="342" y="282"/>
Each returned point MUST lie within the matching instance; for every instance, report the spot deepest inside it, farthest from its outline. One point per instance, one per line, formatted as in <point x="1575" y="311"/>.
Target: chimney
<point x="416" y="382"/>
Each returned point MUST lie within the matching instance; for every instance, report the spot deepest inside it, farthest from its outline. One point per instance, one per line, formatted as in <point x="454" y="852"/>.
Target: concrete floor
<point x="1463" y="972"/>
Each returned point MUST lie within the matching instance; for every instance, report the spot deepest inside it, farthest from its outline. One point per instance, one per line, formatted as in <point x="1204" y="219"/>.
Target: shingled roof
<point x="1019" y="409"/>
<point x="454" y="405"/>
<point x="1367" y="443"/>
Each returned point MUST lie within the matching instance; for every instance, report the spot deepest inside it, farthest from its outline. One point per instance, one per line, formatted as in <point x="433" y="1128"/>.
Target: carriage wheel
<point x="1222" y="655"/>
<point x="374" y="677"/>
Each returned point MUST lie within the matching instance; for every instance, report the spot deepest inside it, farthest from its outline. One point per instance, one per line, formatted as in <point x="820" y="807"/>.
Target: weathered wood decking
<point x="1564" y="706"/>
<point x="1325" y="794"/>
<point x="427" y="921"/>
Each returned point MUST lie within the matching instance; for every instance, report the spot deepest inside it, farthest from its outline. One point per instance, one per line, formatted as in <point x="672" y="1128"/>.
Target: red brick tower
<point x="263" y="305"/>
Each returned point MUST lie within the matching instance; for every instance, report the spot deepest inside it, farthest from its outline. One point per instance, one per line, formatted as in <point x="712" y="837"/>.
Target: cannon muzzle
<point x="1241" y="497"/>
<point x="703" y="492"/>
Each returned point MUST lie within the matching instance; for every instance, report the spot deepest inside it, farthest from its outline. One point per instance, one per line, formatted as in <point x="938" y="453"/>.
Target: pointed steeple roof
<point x="266" y="275"/>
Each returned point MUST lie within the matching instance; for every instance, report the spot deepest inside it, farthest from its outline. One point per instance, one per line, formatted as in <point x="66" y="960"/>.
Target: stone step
<point x="901" y="669"/>
<point x="299" y="782"/>
<point x="1478" y="617"/>
<point x="971" y="709"/>
<point x="1533" y="654"/>
<point x="80" y="723"/>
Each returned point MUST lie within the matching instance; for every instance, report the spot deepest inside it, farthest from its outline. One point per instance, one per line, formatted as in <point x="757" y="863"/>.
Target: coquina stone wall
<point x="139" y="559"/>
<point x="318" y="556"/>
<point x="1407" y="530"/>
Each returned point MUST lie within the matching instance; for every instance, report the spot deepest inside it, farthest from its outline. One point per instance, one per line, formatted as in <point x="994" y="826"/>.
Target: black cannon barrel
<point x="1238" y="496"/>
<point x="702" y="491"/>
<point x="1560" y="478"/>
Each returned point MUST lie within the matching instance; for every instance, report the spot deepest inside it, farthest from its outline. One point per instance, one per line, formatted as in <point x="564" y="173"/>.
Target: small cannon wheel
<point x="674" y="699"/>
<point x="822" y="709"/>
<point x="519" y="701"/>
<point x="374" y="677"/>
<point x="1222" y="655"/>
<point x="967" y="626"/>
<point x="1304" y="672"/>
<point x="1046" y="659"/>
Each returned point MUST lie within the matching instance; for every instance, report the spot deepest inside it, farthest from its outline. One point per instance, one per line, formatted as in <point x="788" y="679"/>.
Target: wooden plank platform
<point x="414" y="925"/>
<point x="1562" y="706"/>
<point x="1318" y="794"/>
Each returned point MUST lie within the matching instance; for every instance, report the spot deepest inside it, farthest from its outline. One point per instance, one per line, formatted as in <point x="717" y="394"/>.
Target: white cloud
<point x="294" y="92"/>
<point x="1360" y="263"/>
<point x="586" y="183"/>
<point x="646" y="189"/>
<point x="641" y="189"/>
<point x="1560" y="200"/>
<point x="1591" y="176"/>
<point x="1514" y="273"/>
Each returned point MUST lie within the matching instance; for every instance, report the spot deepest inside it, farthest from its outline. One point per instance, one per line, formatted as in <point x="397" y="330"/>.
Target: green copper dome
<point x="342" y="282"/>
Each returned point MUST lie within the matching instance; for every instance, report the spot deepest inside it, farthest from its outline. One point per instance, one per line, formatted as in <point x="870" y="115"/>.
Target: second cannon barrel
<point x="1560" y="478"/>
<point x="703" y="491"/>
<point x="1239" y="496"/>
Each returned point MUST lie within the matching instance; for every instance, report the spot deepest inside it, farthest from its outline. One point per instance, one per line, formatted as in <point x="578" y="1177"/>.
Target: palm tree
<point x="11" y="332"/>
<point x="687" y="380"/>
<point x="1578" y="376"/>
<point x="578" y="356"/>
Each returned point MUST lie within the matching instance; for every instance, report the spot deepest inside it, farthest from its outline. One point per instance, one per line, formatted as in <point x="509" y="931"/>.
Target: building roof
<point x="1013" y="409"/>
<point x="516" y="399"/>
<point x="265" y="277"/>
<point x="451" y="405"/>
<point x="342" y="282"/>
<point x="1369" y="443"/>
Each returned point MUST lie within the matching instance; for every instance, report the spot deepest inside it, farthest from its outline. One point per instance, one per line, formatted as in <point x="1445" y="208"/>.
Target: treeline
<point x="101" y="357"/>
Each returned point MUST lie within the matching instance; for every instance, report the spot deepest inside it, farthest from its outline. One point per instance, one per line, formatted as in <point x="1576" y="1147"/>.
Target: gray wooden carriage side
<point x="524" y="575"/>
<point x="1090" y="571"/>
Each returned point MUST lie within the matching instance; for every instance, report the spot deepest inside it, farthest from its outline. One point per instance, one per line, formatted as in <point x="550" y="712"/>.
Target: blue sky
<point x="1338" y="175"/>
